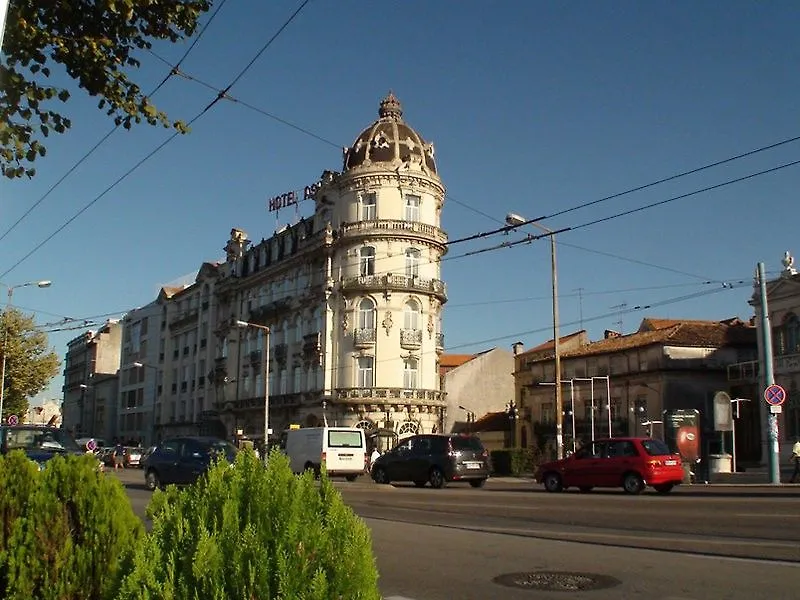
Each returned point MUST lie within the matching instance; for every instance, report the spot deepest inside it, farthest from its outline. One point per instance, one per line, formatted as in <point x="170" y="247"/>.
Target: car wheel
<point x="350" y="477"/>
<point x="379" y="475"/>
<point x="664" y="488"/>
<point x="420" y="483"/>
<point x="477" y="483"/>
<point x="152" y="481"/>
<point x="436" y="477"/>
<point x="552" y="482"/>
<point x="585" y="489"/>
<point x="632" y="483"/>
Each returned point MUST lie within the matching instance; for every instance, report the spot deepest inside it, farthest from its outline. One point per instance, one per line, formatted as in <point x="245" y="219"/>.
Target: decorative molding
<point x="387" y="322"/>
<point x="430" y="326"/>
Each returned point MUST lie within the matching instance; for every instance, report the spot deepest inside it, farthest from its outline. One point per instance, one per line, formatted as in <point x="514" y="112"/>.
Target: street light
<point x="516" y="220"/>
<point x="265" y="329"/>
<point x="141" y="365"/>
<point x="470" y="416"/>
<point x="42" y="284"/>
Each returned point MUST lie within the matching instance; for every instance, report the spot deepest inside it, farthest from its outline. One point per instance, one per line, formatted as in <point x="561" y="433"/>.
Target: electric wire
<point x="102" y="140"/>
<point x="153" y="152"/>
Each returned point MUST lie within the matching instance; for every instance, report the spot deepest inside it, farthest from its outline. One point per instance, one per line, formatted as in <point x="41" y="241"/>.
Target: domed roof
<point x="390" y="140"/>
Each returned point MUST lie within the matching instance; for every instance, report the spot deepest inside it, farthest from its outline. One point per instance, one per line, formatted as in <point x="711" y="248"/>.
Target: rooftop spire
<point x="391" y="108"/>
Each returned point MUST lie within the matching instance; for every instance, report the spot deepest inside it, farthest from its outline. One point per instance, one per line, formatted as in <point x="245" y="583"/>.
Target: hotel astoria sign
<point x="288" y="199"/>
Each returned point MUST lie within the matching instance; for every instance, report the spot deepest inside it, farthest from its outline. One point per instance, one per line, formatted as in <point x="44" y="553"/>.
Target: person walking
<point x="796" y="460"/>
<point x="119" y="456"/>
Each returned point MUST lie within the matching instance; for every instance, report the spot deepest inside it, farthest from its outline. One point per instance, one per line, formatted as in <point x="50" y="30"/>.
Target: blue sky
<point x="533" y="107"/>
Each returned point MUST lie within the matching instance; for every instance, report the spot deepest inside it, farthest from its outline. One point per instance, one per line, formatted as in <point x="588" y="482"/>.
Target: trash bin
<point x="719" y="463"/>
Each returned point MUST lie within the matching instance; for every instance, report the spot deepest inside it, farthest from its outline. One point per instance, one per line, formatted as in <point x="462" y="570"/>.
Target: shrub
<point x="515" y="461"/>
<point x="68" y="531"/>
<point x="253" y="532"/>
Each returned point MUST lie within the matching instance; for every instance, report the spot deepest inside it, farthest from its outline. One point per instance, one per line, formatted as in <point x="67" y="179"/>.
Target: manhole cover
<point x="556" y="581"/>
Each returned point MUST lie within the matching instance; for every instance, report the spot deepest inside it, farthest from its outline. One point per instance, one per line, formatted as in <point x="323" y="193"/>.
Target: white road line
<point x="762" y="515"/>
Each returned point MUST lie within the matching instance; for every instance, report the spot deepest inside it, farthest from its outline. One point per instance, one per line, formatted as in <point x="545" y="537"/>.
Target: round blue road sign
<point x="775" y="395"/>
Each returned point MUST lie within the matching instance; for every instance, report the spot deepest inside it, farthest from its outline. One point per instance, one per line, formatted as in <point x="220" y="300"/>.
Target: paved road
<point x="699" y="542"/>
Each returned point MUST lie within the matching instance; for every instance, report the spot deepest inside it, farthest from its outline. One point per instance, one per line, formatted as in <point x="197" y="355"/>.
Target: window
<point x="345" y="439"/>
<point x="547" y="412"/>
<point x="410" y="373"/>
<point x="412" y="208"/>
<point x="791" y="335"/>
<point x="411" y="315"/>
<point x="366" y="372"/>
<point x="621" y="449"/>
<point x="368" y="207"/>
<point x="656" y="448"/>
<point x="412" y="262"/>
<point x="366" y="314"/>
<point x="367" y="261"/>
<point x="283" y="381"/>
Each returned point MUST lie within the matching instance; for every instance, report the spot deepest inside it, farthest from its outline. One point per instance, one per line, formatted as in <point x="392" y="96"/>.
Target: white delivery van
<point x="343" y="450"/>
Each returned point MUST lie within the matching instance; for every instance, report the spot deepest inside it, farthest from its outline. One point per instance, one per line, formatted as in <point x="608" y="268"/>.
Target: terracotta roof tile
<point x="548" y="345"/>
<point x="454" y="360"/>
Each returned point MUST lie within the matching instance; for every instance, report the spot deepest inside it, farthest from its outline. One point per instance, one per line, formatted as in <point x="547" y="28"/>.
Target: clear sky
<point x="534" y="108"/>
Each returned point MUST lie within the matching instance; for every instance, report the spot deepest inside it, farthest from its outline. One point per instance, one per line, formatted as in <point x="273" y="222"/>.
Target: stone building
<point x="352" y="297"/>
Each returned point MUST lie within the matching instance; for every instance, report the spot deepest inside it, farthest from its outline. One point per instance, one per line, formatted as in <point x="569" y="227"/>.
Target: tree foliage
<point x="253" y="532"/>
<point x="66" y="533"/>
<point x="30" y="364"/>
<point x="95" y="42"/>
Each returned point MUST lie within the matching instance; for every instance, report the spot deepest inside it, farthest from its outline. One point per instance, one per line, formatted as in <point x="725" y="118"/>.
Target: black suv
<point x="40" y="443"/>
<point x="434" y="459"/>
<point x="182" y="460"/>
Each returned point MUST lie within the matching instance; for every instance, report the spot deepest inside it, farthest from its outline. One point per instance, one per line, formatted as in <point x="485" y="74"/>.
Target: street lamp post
<point x="141" y="365"/>
<point x="516" y="220"/>
<point x="87" y="431"/>
<point x="42" y="284"/>
<point x="470" y="416"/>
<point x="265" y="329"/>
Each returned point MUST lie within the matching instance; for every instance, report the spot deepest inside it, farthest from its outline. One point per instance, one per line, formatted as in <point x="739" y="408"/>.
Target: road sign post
<point x="12" y="420"/>
<point x="773" y="451"/>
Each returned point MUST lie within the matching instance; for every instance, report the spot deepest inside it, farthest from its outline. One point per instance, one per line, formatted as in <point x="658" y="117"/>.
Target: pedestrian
<point x="376" y="454"/>
<point x="119" y="456"/>
<point x="796" y="460"/>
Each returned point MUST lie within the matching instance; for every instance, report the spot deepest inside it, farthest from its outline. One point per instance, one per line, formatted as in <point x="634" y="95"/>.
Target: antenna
<point x="620" y="307"/>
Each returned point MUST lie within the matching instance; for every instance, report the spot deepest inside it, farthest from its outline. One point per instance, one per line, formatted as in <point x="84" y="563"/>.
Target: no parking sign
<point x="13" y="420"/>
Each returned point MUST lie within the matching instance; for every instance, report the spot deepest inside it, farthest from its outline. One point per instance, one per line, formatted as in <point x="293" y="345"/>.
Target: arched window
<point x="366" y="260"/>
<point x="366" y="425"/>
<point x="412" y="316"/>
<point x="366" y="314"/>
<point x="412" y="262"/>
<point x="412" y="208"/>
<point x="410" y="372"/>
<point x="408" y="428"/>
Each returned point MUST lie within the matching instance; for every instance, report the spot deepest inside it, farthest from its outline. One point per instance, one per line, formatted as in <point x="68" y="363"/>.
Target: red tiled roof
<point x="549" y="344"/>
<point x="650" y="324"/>
<point x="454" y="360"/>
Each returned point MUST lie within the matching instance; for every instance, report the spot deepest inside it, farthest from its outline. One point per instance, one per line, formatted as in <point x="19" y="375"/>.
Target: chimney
<point x="517" y="347"/>
<point x="609" y="334"/>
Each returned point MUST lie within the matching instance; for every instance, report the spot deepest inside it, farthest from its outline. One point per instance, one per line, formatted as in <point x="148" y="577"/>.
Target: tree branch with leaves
<point x="95" y="42"/>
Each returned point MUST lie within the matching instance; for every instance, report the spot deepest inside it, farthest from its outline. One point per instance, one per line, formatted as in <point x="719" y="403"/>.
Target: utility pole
<point x="773" y="452"/>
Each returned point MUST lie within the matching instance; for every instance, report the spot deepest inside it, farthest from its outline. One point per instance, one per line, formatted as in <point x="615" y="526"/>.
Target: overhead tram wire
<point x="220" y="95"/>
<point x="102" y="140"/>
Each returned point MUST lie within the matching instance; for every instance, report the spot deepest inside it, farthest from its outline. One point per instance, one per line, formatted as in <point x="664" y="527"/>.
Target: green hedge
<point x="514" y="461"/>
<point x="68" y="532"/>
<point x="245" y="531"/>
<point x="253" y="532"/>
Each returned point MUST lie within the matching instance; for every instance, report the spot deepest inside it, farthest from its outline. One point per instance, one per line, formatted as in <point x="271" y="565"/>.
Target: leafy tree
<point x="30" y="364"/>
<point x="95" y="41"/>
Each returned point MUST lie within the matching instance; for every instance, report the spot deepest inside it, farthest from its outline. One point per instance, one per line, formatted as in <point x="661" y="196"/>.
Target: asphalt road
<point x="700" y="542"/>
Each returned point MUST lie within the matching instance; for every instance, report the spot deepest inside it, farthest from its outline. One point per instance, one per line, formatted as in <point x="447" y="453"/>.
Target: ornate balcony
<point x="280" y="352"/>
<point x="788" y="363"/>
<point x="411" y="339"/>
<point x="405" y="229"/>
<point x="743" y="371"/>
<point x="254" y="357"/>
<point x="392" y="282"/>
<point x="185" y="318"/>
<point x="363" y="338"/>
<point x="312" y="344"/>
<point x="261" y="315"/>
<point x="390" y="396"/>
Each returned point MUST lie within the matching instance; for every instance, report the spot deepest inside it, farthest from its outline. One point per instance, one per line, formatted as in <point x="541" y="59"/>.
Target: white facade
<point x="352" y="297"/>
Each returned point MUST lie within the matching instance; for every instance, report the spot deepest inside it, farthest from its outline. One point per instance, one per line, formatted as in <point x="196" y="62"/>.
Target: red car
<point x="630" y="463"/>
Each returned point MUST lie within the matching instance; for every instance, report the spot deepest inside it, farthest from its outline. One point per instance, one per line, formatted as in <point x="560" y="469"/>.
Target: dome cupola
<point x="390" y="141"/>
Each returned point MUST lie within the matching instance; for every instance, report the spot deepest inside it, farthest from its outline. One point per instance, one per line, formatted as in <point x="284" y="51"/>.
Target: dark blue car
<point x="182" y="460"/>
<point x="39" y="442"/>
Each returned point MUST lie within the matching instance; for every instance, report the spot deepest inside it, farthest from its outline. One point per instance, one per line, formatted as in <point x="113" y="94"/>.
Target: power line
<point x="153" y="152"/>
<point x="114" y="129"/>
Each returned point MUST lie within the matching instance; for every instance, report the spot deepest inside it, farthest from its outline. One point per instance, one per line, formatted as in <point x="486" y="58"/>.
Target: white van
<point x="343" y="450"/>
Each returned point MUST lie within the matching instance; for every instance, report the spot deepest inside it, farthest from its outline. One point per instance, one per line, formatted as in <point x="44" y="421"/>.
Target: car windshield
<point x="345" y="439"/>
<point x="223" y="447"/>
<point x="39" y="439"/>
<point x="466" y="443"/>
<point x="655" y="447"/>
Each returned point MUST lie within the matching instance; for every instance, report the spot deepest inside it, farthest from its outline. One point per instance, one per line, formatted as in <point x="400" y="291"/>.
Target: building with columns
<point x="352" y="297"/>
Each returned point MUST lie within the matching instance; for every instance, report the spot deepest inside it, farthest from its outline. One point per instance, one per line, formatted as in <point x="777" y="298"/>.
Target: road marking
<point x="762" y="515"/>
